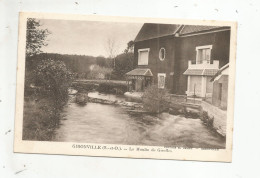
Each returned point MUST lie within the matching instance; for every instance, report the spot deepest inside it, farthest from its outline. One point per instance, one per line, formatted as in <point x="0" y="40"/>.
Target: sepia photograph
<point x="125" y="87"/>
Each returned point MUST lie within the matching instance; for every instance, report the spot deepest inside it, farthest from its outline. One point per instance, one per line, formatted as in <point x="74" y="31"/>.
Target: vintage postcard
<point x="125" y="87"/>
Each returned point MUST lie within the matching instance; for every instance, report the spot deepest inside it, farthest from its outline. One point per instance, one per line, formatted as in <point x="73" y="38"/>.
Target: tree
<point x="48" y="77"/>
<point x="124" y="62"/>
<point x="53" y="78"/>
<point x="35" y="37"/>
<point x="101" y="61"/>
<point x="130" y="47"/>
<point x="112" y="50"/>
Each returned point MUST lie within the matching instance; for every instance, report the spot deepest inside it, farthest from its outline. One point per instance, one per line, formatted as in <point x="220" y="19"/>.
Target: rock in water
<point x="81" y="98"/>
<point x="72" y="91"/>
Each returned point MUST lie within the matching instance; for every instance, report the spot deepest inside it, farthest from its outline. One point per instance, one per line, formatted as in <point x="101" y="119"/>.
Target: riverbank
<point x="40" y="119"/>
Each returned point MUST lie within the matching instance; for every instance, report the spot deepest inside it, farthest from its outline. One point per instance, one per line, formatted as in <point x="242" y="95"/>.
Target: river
<point x="110" y="124"/>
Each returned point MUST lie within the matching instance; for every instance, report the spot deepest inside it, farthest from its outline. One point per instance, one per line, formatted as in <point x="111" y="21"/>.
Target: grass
<point x="40" y="119"/>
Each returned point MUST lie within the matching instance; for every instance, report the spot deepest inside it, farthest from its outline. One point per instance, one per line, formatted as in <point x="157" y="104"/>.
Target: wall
<point x="195" y="80"/>
<point x="209" y="87"/>
<point x="154" y="63"/>
<point x="186" y="50"/>
<point x="215" y="96"/>
<point x="178" y="52"/>
<point x="220" y="117"/>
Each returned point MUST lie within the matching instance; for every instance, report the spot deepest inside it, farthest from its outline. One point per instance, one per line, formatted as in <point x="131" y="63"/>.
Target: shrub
<point x="52" y="79"/>
<point x="155" y="99"/>
<point x="115" y="88"/>
<point x="40" y="120"/>
<point x="207" y="120"/>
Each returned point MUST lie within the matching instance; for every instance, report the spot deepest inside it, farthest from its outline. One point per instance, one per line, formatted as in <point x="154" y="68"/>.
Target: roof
<point x="188" y="29"/>
<point x="220" y="71"/>
<point x="204" y="72"/>
<point x="193" y="72"/>
<point x="152" y="30"/>
<point x="140" y="72"/>
<point x="210" y="72"/>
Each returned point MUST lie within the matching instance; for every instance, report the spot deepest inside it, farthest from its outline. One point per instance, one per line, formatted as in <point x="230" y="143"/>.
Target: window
<point x="203" y="54"/>
<point x="143" y="55"/>
<point x="161" y="80"/>
<point x="162" y="54"/>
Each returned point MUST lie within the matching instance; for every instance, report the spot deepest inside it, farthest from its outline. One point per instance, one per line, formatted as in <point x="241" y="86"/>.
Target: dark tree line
<point x="80" y="64"/>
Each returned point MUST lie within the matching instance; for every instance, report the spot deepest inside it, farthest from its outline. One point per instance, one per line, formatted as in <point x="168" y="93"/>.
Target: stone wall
<point x="219" y="117"/>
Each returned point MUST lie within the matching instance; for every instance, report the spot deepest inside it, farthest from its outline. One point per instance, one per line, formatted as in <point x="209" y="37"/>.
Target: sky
<point x="87" y="37"/>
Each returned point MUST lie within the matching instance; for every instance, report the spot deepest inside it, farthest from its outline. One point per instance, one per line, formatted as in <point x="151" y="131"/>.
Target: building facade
<point x="220" y="88"/>
<point x="181" y="58"/>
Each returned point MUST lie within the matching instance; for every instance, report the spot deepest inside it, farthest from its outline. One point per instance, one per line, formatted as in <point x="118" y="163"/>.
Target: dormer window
<point x="143" y="55"/>
<point x="203" y="54"/>
<point x="162" y="54"/>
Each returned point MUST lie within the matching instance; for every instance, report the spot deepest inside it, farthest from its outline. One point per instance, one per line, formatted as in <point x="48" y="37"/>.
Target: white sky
<point x="86" y="37"/>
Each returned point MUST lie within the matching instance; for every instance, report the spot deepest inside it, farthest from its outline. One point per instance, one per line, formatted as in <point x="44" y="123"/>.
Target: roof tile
<point x="210" y="72"/>
<point x="139" y="71"/>
<point x="197" y="28"/>
<point x="152" y="30"/>
<point x="193" y="72"/>
<point x="204" y="72"/>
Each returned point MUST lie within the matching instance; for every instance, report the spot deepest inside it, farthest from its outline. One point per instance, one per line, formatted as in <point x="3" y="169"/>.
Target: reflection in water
<point x="109" y="124"/>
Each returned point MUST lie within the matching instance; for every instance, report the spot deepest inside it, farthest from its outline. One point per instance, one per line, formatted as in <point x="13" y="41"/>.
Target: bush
<point x="39" y="120"/>
<point x="207" y="120"/>
<point x="50" y="79"/>
<point x="155" y="99"/>
<point x="115" y="88"/>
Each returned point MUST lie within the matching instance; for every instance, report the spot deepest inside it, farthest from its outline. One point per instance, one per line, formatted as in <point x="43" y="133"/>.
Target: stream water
<point x="110" y="124"/>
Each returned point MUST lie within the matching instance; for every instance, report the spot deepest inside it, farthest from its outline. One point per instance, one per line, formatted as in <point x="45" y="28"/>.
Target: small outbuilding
<point x="138" y="79"/>
<point x="220" y="87"/>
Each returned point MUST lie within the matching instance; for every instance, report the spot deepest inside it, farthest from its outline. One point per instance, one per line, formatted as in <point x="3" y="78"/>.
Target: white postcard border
<point x="88" y="149"/>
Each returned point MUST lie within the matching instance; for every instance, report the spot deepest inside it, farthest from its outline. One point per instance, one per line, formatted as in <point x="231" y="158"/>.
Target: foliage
<point x="41" y="117"/>
<point x="78" y="64"/>
<point x="124" y="63"/>
<point x="155" y="99"/>
<point x="111" y="87"/>
<point x="207" y="120"/>
<point x="130" y="47"/>
<point x="35" y="37"/>
<point x="98" y="72"/>
<point x="102" y="61"/>
<point x="53" y="80"/>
